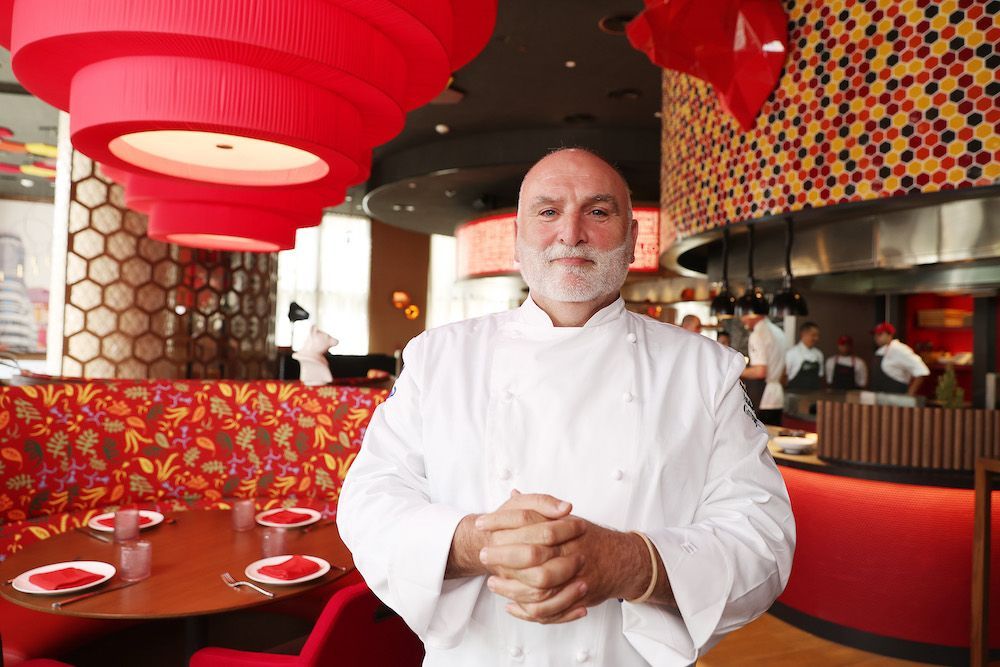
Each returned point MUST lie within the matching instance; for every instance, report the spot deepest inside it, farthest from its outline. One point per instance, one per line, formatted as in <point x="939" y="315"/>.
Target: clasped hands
<point x="552" y="565"/>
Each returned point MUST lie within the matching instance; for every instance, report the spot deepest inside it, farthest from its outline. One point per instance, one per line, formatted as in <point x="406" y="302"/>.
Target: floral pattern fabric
<point x="70" y="451"/>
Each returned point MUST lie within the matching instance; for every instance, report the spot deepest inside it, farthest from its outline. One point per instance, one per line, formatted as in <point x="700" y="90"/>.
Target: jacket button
<point x="504" y="474"/>
<point x="516" y="651"/>
<point x="583" y="656"/>
<point x="618" y="475"/>
<point x="627" y="397"/>
<point x="630" y="338"/>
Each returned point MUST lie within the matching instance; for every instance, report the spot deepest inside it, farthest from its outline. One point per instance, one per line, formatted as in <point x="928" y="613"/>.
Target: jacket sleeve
<point x="400" y="539"/>
<point x="733" y="560"/>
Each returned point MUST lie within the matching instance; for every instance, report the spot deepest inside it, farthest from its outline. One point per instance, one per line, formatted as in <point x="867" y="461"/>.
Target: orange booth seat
<point x="886" y="566"/>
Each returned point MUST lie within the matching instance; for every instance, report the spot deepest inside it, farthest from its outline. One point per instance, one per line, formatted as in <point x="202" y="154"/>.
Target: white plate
<point x="252" y="570"/>
<point x="155" y="518"/>
<point x="106" y="570"/>
<point x="791" y="444"/>
<point x="314" y="516"/>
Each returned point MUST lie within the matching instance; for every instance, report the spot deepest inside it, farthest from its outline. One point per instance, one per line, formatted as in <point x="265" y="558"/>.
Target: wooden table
<point x="188" y="558"/>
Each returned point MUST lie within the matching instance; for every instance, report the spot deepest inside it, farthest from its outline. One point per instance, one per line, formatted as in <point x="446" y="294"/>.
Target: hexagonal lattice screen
<point x="138" y="308"/>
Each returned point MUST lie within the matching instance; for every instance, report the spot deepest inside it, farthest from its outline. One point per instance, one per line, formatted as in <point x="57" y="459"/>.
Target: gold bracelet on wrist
<point x="652" y="581"/>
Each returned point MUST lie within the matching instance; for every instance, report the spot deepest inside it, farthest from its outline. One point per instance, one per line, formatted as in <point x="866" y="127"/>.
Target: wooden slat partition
<point x="934" y="438"/>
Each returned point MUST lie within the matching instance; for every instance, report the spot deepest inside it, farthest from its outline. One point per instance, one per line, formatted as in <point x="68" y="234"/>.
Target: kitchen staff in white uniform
<point x="898" y="369"/>
<point x="652" y="519"/>
<point x="804" y="362"/>
<point x="846" y="370"/>
<point x="766" y="367"/>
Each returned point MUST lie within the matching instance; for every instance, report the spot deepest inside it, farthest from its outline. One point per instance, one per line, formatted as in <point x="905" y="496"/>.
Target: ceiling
<point x="516" y="100"/>
<point x="31" y="120"/>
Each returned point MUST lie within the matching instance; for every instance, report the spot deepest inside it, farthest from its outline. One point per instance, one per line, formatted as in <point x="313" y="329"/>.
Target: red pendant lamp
<point x="738" y="46"/>
<point x="241" y="93"/>
<point x="218" y="217"/>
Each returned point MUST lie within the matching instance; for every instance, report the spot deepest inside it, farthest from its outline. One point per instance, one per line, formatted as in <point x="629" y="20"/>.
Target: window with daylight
<point x="328" y="274"/>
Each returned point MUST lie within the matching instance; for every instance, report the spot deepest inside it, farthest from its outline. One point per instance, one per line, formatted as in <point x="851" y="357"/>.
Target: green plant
<point x="947" y="392"/>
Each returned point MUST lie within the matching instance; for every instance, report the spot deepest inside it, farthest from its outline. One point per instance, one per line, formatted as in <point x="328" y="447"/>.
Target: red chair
<point x="355" y="628"/>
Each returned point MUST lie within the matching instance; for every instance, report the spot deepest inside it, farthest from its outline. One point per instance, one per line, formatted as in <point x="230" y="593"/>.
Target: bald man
<point x="569" y="481"/>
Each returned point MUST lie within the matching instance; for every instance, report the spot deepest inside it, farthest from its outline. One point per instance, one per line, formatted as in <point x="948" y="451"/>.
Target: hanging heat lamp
<point x="724" y="304"/>
<point x="753" y="301"/>
<point x="789" y="301"/>
<point x="251" y="93"/>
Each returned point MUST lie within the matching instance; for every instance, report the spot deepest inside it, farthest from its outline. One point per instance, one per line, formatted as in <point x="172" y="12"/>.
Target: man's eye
<point x="598" y="212"/>
<point x="547" y="213"/>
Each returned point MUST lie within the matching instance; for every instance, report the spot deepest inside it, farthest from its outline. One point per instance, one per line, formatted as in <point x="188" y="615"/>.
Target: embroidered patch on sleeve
<point x="748" y="408"/>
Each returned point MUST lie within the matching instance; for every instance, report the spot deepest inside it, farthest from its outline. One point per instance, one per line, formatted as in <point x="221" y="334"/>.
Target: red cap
<point x="884" y="327"/>
<point x="845" y="340"/>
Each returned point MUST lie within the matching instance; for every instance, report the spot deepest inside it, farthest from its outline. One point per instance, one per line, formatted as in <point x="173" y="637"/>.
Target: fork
<point x="232" y="583"/>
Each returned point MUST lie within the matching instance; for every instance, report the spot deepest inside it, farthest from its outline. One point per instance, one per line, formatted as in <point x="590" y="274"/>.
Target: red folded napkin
<point x="110" y="521"/>
<point x="293" y="568"/>
<point x="68" y="577"/>
<point x="287" y="516"/>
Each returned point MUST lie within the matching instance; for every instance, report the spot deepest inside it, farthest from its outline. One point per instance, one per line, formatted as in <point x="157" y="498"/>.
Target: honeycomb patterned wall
<point x="879" y="98"/>
<point x="138" y="308"/>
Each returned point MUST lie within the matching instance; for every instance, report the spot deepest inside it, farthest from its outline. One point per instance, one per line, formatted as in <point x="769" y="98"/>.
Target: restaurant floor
<point x="767" y="641"/>
<point x="772" y="642"/>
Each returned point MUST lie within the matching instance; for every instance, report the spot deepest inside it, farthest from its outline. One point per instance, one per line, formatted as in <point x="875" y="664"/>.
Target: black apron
<point x="755" y="391"/>
<point x="884" y="383"/>
<point x="807" y="379"/>
<point x="843" y="376"/>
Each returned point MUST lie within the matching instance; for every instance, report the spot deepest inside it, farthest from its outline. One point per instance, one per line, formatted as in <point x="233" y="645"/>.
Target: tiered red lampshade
<point x="177" y="211"/>
<point x="275" y="94"/>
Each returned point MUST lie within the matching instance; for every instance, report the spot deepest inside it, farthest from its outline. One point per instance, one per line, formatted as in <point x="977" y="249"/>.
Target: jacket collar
<point x="530" y="314"/>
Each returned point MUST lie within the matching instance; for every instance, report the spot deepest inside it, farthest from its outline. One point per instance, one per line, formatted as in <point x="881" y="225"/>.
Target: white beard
<point x="574" y="283"/>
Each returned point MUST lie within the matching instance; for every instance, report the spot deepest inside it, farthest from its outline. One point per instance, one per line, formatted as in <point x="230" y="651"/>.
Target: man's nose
<point x="573" y="230"/>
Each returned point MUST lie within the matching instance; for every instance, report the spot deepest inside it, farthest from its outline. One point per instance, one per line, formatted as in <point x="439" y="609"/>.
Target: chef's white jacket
<point x="798" y="355"/>
<point x="900" y="362"/>
<point x="767" y="347"/>
<point x="857" y="363"/>
<point x="642" y="426"/>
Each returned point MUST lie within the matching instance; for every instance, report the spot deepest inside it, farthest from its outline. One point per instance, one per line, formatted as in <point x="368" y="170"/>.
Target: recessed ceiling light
<point x="624" y="94"/>
<point x="27" y="183"/>
<point x="615" y="23"/>
<point x="657" y="114"/>
<point x="412" y="185"/>
<point x="570" y="64"/>
<point x="441" y="128"/>
<point x="348" y="199"/>
<point x="450" y="193"/>
<point x="397" y="207"/>
<point x="410" y="208"/>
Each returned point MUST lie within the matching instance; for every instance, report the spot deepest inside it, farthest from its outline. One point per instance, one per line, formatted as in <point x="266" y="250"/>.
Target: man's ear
<point x="635" y="237"/>
<point x="517" y="257"/>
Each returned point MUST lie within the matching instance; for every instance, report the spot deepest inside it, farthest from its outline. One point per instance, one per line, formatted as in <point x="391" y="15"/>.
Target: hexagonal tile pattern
<point x="103" y="270"/>
<point x="91" y="192"/>
<point x="85" y="294"/>
<point x="121" y="245"/>
<point x="106" y="219"/>
<point x="137" y="308"/>
<point x="151" y="298"/>
<point x="880" y="98"/>
<point x="133" y="322"/>
<point x="119" y="296"/>
<point x="102" y="321"/>
<point x="166" y="274"/>
<point x="88" y="243"/>
<point x="137" y="271"/>
<point x="84" y="346"/>
<point x="117" y="347"/>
